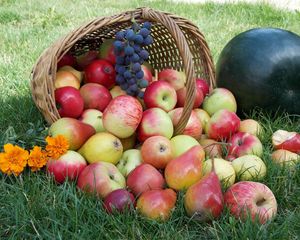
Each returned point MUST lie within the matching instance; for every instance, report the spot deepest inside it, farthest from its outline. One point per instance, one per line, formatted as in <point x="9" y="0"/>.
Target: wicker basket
<point x="178" y="44"/>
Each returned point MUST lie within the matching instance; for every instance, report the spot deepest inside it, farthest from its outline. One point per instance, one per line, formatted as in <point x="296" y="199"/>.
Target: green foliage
<point x="33" y="206"/>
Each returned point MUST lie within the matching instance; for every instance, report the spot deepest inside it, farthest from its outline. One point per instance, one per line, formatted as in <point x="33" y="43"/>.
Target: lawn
<point x="32" y="206"/>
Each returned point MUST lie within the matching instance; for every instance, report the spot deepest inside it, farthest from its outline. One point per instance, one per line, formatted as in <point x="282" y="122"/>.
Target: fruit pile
<point x="119" y="122"/>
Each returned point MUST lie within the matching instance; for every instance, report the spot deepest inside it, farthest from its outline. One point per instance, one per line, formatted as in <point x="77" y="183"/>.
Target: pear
<point x="185" y="170"/>
<point x="75" y="131"/>
<point x="204" y="200"/>
<point x="103" y="147"/>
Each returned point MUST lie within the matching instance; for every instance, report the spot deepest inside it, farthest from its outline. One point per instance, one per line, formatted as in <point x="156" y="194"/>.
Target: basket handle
<point x="175" y="31"/>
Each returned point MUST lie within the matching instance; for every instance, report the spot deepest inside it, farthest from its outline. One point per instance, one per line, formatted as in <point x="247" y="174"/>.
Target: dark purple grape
<point x="139" y="74"/>
<point x="130" y="92"/>
<point x="141" y="94"/>
<point x="131" y="81"/>
<point x="134" y="58"/>
<point x="124" y="86"/>
<point x="144" y="32"/>
<point x="144" y="54"/>
<point x="127" y="61"/>
<point x="120" y="69"/>
<point x="136" y="67"/>
<point x="129" y="51"/>
<point x="127" y="74"/>
<point x="147" y="25"/>
<point x="143" y="83"/>
<point x="135" y="26"/>
<point x="120" y="35"/>
<point x="148" y="40"/>
<point x="138" y="39"/>
<point x="137" y="48"/>
<point x="130" y="35"/>
<point x="134" y="87"/>
<point x="120" y="79"/>
<point x="120" y="60"/>
<point x="118" y="45"/>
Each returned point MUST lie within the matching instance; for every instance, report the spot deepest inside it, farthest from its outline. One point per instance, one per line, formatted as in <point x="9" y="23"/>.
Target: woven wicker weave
<point x="178" y="44"/>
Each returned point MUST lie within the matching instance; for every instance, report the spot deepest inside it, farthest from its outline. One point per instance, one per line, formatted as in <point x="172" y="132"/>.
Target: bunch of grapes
<point x="130" y="55"/>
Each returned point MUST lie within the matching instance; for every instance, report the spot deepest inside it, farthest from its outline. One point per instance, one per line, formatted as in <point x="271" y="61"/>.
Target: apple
<point x="193" y="127"/>
<point x="223" y="169"/>
<point x="212" y="148"/>
<point x="75" y="131"/>
<point x="160" y="94"/>
<point x="242" y="143"/>
<point x="219" y="98"/>
<point x="250" y="126"/>
<point x="106" y="51"/>
<point x="130" y="160"/>
<point x="122" y="116"/>
<point x="203" y="86"/>
<point x="285" y="157"/>
<point x="222" y="125"/>
<point x="86" y="59"/>
<point x="102" y="72"/>
<point x="66" y="79"/>
<point x="149" y="67"/>
<point x="93" y="117"/>
<point x="155" y="122"/>
<point x="100" y="178"/>
<point x="69" y="102"/>
<point x="290" y="141"/>
<point x="72" y="70"/>
<point x="175" y="78"/>
<point x="67" y="59"/>
<point x="157" y="204"/>
<point x="129" y="142"/>
<point x="119" y="200"/>
<point x="181" y="96"/>
<point x="95" y="96"/>
<point x="185" y="170"/>
<point x="144" y="178"/>
<point x="251" y="199"/>
<point x="147" y="73"/>
<point x="157" y="151"/>
<point x="103" y="147"/>
<point x="117" y="91"/>
<point x="202" y="116"/>
<point x="182" y="143"/>
<point x="68" y="166"/>
<point x="249" y="167"/>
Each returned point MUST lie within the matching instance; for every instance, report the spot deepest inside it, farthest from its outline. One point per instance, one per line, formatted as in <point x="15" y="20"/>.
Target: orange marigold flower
<point x="56" y="146"/>
<point x="13" y="159"/>
<point x="37" y="158"/>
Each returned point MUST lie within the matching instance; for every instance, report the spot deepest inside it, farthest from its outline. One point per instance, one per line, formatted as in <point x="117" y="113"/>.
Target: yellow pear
<point x="103" y="147"/>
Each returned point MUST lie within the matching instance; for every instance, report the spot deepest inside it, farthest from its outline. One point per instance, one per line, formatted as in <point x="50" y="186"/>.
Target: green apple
<point x="129" y="161"/>
<point x="93" y="117"/>
<point x="223" y="169"/>
<point x="181" y="143"/>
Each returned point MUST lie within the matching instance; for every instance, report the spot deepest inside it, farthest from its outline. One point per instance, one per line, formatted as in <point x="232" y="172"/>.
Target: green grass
<point x="32" y="206"/>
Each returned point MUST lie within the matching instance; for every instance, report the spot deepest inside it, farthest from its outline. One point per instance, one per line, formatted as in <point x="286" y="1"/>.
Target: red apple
<point x="181" y="96"/>
<point x="160" y="94"/>
<point x="66" y="79"/>
<point x="100" y="178"/>
<point x="285" y="158"/>
<point x="144" y="178"/>
<point x="203" y="86"/>
<point x="157" y="204"/>
<point x="67" y="59"/>
<point x="252" y="199"/>
<point x="290" y="141"/>
<point x="222" y="125"/>
<point x="69" y="102"/>
<point x="95" y="96"/>
<point x="175" y="78"/>
<point x="122" y="116"/>
<point x="102" y="72"/>
<point x="155" y="122"/>
<point x="241" y="144"/>
<point x="147" y="73"/>
<point x="106" y="51"/>
<point x="86" y="59"/>
<point x="119" y="200"/>
<point x="157" y="151"/>
<point x="212" y="148"/>
<point x="193" y="127"/>
<point x="68" y="166"/>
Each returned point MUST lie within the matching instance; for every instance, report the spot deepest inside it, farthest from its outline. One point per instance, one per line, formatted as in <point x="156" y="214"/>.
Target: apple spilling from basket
<point x="119" y="115"/>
